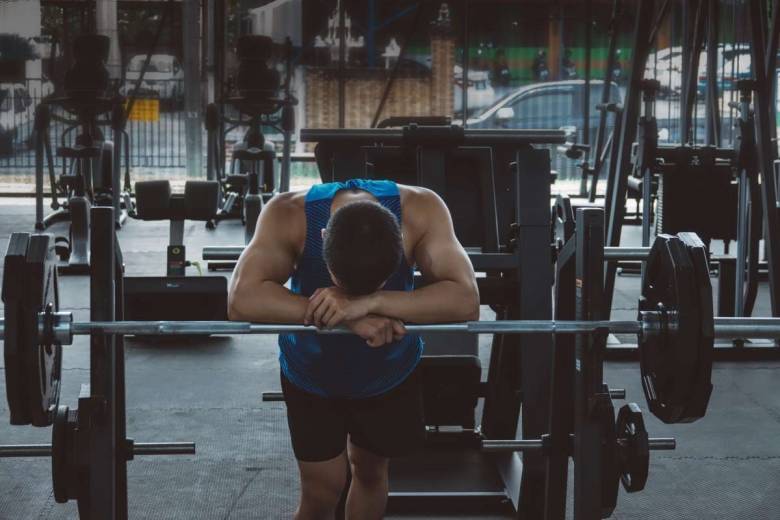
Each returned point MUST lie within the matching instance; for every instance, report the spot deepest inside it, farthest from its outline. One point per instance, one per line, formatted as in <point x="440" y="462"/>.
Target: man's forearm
<point x="439" y="302"/>
<point x="268" y="302"/>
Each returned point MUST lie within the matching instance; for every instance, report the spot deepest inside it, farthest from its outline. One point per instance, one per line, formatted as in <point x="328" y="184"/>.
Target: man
<point x="539" y="66"/>
<point x="350" y="251"/>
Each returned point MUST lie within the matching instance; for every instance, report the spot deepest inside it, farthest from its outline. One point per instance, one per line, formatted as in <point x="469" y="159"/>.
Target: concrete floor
<point x="726" y="466"/>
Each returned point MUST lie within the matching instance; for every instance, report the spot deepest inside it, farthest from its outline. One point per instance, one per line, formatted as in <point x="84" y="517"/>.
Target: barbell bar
<point x="139" y="448"/>
<point x="505" y="445"/>
<point x="278" y="397"/>
<point x="60" y="327"/>
<point x="231" y="253"/>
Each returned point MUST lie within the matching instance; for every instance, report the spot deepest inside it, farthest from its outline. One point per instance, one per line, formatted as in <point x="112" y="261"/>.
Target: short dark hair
<point x="362" y="246"/>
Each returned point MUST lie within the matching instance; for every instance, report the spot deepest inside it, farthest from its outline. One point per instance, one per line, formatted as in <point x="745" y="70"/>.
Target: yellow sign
<point x="147" y="110"/>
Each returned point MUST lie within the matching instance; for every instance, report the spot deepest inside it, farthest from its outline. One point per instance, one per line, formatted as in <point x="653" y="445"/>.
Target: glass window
<point x="554" y="104"/>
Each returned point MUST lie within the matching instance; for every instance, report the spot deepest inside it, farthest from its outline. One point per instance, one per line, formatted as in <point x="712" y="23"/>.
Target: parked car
<point x="15" y="116"/>
<point x="549" y="105"/>
<point x="556" y="105"/>
<point x="164" y="76"/>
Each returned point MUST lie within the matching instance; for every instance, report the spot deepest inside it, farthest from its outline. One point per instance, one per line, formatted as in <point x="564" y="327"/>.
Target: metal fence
<point x="156" y="131"/>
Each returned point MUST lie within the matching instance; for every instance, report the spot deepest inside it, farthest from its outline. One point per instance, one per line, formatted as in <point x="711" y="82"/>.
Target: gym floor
<point x="726" y="466"/>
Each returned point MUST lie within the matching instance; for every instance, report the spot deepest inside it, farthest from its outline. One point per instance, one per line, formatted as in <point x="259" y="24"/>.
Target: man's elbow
<point x="233" y="314"/>
<point x="235" y="311"/>
<point x="471" y="303"/>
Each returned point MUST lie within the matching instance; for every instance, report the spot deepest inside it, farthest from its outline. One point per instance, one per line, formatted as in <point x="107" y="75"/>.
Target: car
<point x="15" y="116"/>
<point x="549" y="105"/>
<point x="164" y="76"/>
<point x="556" y="104"/>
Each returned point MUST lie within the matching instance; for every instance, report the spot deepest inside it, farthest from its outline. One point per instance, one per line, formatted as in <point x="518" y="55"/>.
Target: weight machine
<point x="753" y="151"/>
<point x="244" y="191"/>
<point x="91" y="164"/>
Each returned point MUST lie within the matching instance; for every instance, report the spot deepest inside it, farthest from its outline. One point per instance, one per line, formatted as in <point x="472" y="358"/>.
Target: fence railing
<point x="156" y="130"/>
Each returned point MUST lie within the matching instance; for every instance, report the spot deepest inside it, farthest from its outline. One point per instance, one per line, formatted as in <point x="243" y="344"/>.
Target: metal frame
<point x="700" y="24"/>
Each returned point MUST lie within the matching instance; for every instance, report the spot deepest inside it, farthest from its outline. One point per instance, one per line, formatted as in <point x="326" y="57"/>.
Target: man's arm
<point x="451" y="294"/>
<point x="257" y="292"/>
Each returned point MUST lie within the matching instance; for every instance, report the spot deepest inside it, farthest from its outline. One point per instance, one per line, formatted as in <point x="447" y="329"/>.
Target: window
<point x="553" y="104"/>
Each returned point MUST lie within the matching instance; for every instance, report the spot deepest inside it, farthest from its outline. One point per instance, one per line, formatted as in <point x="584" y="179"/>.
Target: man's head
<point x="362" y="246"/>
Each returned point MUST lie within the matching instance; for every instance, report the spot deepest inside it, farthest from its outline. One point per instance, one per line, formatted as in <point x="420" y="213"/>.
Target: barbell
<point x="675" y="329"/>
<point x="59" y="327"/>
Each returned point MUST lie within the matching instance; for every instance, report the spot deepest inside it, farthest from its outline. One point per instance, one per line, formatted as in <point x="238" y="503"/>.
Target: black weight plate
<point x="563" y="223"/>
<point x="14" y="290"/>
<point x="610" y="463"/>
<point x="44" y="361"/>
<point x="669" y="362"/>
<point x="635" y="450"/>
<point x="700" y="398"/>
<point x="63" y="470"/>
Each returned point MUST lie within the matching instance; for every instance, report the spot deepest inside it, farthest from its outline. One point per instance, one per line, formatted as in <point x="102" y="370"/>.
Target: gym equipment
<point x="258" y="87"/>
<point x="749" y="221"/>
<point x="675" y="328"/>
<point x="176" y="296"/>
<point x="703" y="169"/>
<point x="90" y="173"/>
<point x="631" y="449"/>
<point x="91" y="164"/>
<point x="61" y="327"/>
<point x="89" y="448"/>
<point x="33" y="370"/>
<point x="563" y="228"/>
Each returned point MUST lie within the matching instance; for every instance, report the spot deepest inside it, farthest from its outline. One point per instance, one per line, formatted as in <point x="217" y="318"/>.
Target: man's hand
<point x="377" y="330"/>
<point x="329" y="307"/>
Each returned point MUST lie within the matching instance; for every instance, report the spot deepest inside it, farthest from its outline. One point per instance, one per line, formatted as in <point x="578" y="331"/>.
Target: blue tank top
<point x="339" y="365"/>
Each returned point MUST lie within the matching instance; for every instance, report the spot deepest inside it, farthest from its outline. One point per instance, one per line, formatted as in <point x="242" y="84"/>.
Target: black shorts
<point x="387" y="425"/>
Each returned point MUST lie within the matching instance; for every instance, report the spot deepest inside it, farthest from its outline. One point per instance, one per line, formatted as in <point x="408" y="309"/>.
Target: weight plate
<point x="43" y="362"/>
<point x="563" y="223"/>
<point x="14" y="285"/>
<point x="702" y="389"/>
<point x="64" y="473"/>
<point x="610" y="463"/>
<point x="669" y="361"/>
<point x="634" y="452"/>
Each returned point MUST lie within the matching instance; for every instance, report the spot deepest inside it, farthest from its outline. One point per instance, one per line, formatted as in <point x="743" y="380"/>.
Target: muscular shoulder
<point x="285" y="206"/>
<point x="421" y="207"/>
<point x="420" y="201"/>
<point x="284" y="216"/>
